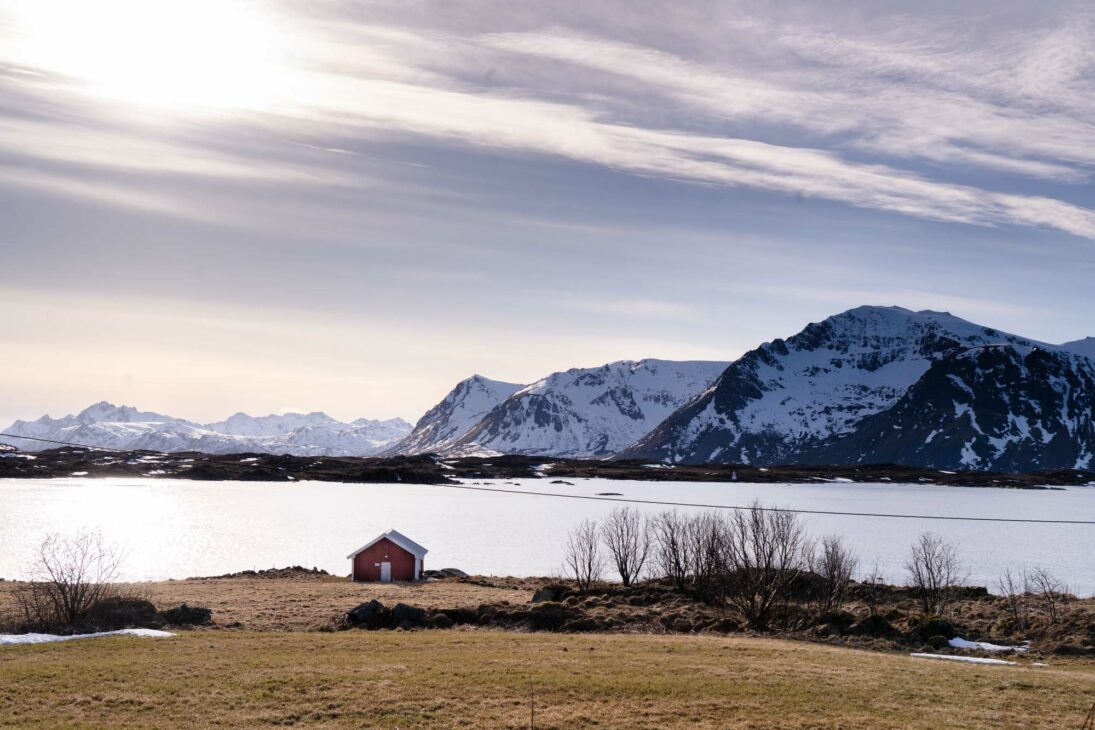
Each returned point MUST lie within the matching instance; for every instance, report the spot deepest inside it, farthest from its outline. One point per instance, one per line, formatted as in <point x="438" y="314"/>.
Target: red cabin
<point x="391" y="556"/>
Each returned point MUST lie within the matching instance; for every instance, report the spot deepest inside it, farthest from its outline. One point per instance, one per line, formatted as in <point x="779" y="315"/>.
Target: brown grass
<point x="484" y="679"/>
<point x="302" y="603"/>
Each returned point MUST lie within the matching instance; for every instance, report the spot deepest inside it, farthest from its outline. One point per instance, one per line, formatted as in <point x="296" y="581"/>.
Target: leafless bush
<point x="873" y="588"/>
<point x="935" y="571"/>
<point x="835" y="564"/>
<point x="764" y="555"/>
<point x="627" y="536"/>
<point x="706" y="540"/>
<point x="70" y="577"/>
<point x="1052" y="590"/>
<point x="583" y="555"/>
<point x="671" y="553"/>
<point x="1013" y="593"/>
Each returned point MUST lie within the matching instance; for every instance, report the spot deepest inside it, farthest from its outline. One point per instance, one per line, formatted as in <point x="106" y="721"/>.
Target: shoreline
<point x="431" y="469"/>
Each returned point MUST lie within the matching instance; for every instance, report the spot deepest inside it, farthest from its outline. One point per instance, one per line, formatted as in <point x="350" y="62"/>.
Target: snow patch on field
<point x="15" y="639"/>
<point x="967" y="659"/>
<point x="959" y="643"/>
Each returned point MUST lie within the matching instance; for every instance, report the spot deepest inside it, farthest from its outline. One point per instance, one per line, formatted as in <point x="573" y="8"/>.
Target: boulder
<point x="121" y="613"/>
<point x="938" y="641"/>
<point x="554" y="593"/>
<point x="371" y="615"/>
<point x="873" y="626"/>
<point x="924" y="626"/>
<point x="187" y="616"/>
<point x="408" y="616"/>
<point x="441" y="621"/>
<point x="550" y="616"/>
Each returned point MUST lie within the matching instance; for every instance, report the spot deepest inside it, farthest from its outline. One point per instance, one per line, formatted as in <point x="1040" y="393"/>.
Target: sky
<point x="222" y="205"/>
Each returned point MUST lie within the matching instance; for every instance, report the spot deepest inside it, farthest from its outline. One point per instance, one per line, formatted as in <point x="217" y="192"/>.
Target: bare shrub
<point x="69" y="578"/>
<point x="1014" y="597"/>
<point x="671" y="551"/>
<point x="583" y="555"/>
<point x="835" y="564"/>
<point x="935" y="572"/>
<point x="873" y="589"/>
<point x="706" y="540"/>
<point x="1052" y="591"/>
<point x="764" y="556"/>
<point x="626" y="534"/>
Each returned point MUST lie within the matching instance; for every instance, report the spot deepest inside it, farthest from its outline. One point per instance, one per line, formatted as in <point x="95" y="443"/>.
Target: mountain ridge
<point x="104" y="424"/>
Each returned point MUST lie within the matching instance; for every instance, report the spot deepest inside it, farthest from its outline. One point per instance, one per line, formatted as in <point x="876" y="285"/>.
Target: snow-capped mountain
<point x="788" y="395"/>
<point x="1085" y="347"/>
<point x="242" y="424"/>
<point x="591" y="412"/>
<point x="439" y="429"/>
<point x="122" y="427"/>
<point x="999" y="408"/>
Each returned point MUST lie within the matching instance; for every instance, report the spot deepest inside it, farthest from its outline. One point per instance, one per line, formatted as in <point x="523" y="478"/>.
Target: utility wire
<point x="675" y="504"/>
<point x="765" y="509"/>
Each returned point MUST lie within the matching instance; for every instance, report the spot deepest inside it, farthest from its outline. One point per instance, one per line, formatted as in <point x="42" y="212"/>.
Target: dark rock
<point x="873" y="626"/>
<point x="460" y="615"/>
<point x="187" y="616"/>
<point x="550" y="616"/>
<point x="938" y="641"/>
<point x="554" y="593"/>
<point x="444" y="573"/>
<point x="927" y="626"/>
<point x="441" y="621"/>
<point x="121" y="613"/>
<point x="838" y="618"/>
<point x="410" y="615"/>
<point x="371" y="615"/>
<point x="583" y="625"/>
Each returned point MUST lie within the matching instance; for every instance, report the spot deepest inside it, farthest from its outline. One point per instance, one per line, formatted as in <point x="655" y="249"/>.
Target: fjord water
<point x="181" y="528"/>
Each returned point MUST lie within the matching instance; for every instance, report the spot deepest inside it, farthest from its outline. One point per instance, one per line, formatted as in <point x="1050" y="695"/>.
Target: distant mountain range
<point x="870" y="385"/>
<point x="123" y="427"/>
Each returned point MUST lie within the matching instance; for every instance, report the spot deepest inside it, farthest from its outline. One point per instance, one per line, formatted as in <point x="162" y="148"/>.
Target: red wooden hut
<point x="391" y="556"/>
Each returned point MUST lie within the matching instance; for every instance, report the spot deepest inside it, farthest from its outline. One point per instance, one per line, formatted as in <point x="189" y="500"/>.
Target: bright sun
<point x="184" y="55"/>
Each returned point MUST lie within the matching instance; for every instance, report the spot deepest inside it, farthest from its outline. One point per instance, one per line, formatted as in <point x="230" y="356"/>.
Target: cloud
<point x="879" y="118"/>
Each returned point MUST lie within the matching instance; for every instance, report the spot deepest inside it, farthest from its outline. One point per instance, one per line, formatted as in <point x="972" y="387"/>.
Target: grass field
<point x="483" y="678"/>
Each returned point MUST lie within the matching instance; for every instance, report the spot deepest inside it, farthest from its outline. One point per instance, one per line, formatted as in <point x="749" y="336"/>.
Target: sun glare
<point x="185" y="55"/>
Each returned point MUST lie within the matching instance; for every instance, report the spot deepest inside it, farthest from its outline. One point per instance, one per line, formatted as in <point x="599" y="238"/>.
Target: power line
<point x="63" y="443"/>
<point x="765" y="509"/>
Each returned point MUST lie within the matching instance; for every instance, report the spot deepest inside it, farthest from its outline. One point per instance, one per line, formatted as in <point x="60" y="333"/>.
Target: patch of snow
<point x="967" y="659"/>
<point x="79" y="474"/>
<point x="17" y="639"/>
<point x="959" y="643"/>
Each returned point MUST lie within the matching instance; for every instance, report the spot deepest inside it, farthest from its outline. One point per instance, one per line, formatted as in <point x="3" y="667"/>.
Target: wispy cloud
<point x="884" y="121"/>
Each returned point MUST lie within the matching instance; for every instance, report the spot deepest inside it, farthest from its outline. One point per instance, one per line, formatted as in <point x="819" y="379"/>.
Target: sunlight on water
<point x="178" y="528"/>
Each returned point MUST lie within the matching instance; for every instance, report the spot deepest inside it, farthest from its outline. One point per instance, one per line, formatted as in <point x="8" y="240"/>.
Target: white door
<point x="385" y="572"/>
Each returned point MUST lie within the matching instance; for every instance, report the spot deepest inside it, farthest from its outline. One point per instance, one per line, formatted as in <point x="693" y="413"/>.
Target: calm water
<point x="176" y="529"/>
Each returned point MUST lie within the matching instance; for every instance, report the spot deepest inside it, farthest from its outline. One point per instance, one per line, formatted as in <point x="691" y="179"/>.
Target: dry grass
<point x="483" y="679"/>
<point x="302" y="603"/>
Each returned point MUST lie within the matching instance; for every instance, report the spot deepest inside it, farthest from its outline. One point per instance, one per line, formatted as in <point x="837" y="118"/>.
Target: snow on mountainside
<point x="787" y="395"/>
<point x="242" y="424"/>
<point x="590" y="412"/>
<point x="1085" y="347"/>
<point x="1001" y="408"/>
<point x="450" y="419"/>
<point x="123" y="427"/>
